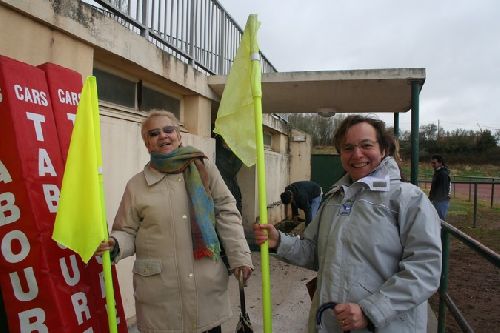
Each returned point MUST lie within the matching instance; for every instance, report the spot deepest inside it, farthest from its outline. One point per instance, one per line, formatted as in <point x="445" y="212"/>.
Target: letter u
<point x="30" y="281"/>
<point x="70" y="280"/>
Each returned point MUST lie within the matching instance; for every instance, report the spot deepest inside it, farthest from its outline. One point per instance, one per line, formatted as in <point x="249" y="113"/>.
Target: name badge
<point x="345" y="208"/>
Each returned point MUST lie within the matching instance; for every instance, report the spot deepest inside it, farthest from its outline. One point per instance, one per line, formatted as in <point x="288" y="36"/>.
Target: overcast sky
<point x="457" y="42"/>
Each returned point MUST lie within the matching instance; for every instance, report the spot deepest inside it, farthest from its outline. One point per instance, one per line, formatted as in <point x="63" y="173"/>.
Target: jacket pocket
<point x="149" y="287"/>
<point x="157" y="297"/>
<point x="362" y="288"/>
<point x="147" y="267"/>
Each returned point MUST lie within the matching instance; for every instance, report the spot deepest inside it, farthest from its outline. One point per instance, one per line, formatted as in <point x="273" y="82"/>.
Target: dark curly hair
<point x="384" y="138"/>
<point x="438" y="158"/>
<point x="286" y="197"/>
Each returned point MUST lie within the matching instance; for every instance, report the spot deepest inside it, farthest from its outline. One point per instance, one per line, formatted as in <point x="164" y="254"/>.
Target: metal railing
<point x="479" y="180"/>
<point x="473" y="190"/>
<point x="198" y="32"/>
<point x="444" y="298"/>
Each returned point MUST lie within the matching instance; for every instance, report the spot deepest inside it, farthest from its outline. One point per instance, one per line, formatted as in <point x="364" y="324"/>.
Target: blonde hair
<point x="157" y="113"/>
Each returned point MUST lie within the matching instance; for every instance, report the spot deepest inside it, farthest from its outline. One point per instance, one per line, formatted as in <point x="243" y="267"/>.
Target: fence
<point x="198" y="32"/>
<point x="473" y="190"/>
<point x="444" y="299"/>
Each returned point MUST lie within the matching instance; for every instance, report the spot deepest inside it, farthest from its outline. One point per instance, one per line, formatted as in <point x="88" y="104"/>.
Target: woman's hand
<point x="108" y="245"/>
<point x="245" y="270"/>
<point x="350" y="316"/>
<point x="266" y="232"/>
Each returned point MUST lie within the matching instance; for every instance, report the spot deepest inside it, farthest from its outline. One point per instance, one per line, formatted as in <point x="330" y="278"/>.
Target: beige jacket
<point x="174" y="292"/>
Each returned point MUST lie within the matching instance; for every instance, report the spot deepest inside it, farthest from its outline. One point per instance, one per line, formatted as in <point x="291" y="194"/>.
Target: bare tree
<point x="320" y="128"/>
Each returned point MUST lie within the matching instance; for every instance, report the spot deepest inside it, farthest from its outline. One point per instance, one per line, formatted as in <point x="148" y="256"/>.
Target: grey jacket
<point x="378" y="245"/>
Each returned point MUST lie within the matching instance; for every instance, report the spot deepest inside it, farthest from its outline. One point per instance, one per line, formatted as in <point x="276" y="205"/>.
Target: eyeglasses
<point x="169" y="129"/>
<point x="365" y="145"/>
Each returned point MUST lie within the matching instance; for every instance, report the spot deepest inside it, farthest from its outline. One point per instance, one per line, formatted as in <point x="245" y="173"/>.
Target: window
<point x="267" y="140"/>
<point x="115" y="89"/>
<point x="152" y="99"/>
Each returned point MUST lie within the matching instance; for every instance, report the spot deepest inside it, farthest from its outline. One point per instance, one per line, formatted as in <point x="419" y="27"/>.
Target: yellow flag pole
<point x="106" y="258"/>
<point x="108" y="277"/>
<point x="110" y="293"/>
<point x="261" y="179"/>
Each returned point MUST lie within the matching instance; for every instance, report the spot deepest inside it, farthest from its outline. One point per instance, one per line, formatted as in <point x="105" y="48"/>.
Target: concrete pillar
<point x="279" y="143"/>
<point x="197" y="115"/>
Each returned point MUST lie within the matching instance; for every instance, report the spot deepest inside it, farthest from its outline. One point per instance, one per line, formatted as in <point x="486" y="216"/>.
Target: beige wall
<point x="289" y="160"/>
<point x="71" y="35"/>
<point x="276" y="180"/>
<point x="300" y="155"/>
<point x="197" y="115"/>
<point x="26" y="40"/>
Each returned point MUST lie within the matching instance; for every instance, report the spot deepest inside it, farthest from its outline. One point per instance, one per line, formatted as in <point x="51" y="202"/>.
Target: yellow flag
<point x="80" y="222"/>
<point x="235" y="119"/>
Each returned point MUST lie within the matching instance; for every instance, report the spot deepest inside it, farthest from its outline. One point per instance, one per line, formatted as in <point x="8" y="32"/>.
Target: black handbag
<point x="244" y="325"/>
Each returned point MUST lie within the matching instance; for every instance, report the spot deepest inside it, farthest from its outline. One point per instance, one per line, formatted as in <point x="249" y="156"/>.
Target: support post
<point x="475" y="204"/>
<point x="415" y="94"/>
<point x="443" y="286"/>
<point x="396" y="125"/>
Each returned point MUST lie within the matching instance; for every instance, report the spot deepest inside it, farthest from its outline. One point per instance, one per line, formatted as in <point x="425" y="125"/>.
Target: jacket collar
<point x="378" y="180"/>
<point x="152" y="176"/>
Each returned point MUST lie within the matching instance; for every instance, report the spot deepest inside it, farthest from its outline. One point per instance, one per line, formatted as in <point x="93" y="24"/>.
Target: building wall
<point x="71" y="34"/>
<point x="300" y="155"/>
<point x="276" y="180"/>
<point x="32" y="42"/>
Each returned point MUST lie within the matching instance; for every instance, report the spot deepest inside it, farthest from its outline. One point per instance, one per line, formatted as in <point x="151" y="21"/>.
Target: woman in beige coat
<point x="169" y="217"/>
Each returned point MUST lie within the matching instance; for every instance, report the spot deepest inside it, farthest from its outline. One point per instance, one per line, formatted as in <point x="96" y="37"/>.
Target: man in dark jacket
<point x="228" y="164"/>
<point x="304" y="195"/>
<point x="440" y="187"/>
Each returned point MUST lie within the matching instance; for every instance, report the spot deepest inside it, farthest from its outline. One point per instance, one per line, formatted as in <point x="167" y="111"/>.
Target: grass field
<point x="487" y="229"/>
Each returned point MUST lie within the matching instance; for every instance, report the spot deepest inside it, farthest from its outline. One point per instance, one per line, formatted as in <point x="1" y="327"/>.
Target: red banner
<point x="65" y="86"/>
<point x="44" y="288"/>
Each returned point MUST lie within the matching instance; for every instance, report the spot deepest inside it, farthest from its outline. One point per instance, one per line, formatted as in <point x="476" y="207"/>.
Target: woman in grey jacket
<point x="375" y="240"/>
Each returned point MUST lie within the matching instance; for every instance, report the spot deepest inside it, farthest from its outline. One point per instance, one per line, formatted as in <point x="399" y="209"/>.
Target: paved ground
<point x="290" y="301"/>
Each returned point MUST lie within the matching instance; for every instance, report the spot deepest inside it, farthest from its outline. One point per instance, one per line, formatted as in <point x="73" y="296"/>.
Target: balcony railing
<point x="198" y="32"/>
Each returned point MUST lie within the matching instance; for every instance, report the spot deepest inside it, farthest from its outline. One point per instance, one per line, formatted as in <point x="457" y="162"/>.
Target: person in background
<point x="440" y="186"/>
<point x="168" y="217"/>
<point x="394" y="150"/>
<point x="304" y="195"/>
<point x="228" y="164"/>
<point x="375" y="242"/>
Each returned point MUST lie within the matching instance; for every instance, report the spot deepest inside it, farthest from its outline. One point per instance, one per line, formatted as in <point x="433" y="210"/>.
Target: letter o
<point x="7" y="253"/>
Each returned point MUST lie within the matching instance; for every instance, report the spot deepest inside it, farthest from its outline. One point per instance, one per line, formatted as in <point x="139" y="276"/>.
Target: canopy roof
<point x="351" y="91"/>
